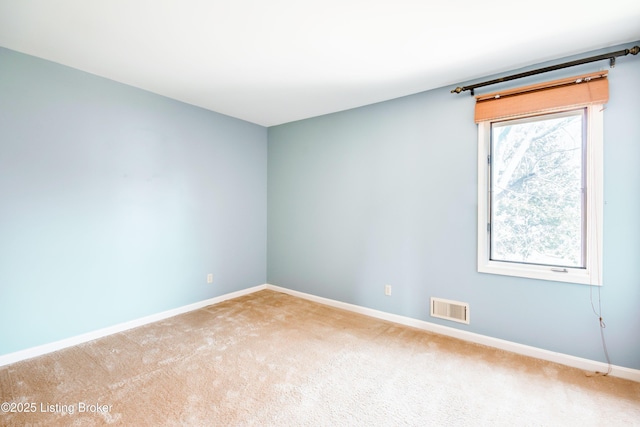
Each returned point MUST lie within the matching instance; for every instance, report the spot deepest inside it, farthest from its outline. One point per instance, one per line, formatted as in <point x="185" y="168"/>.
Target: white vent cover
<point x="450" y="310"/>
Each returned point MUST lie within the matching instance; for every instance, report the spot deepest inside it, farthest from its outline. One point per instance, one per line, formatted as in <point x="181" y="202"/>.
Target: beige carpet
<point x="270" y="359"/>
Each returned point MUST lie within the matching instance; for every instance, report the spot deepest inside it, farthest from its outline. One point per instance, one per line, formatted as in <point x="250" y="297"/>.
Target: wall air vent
<point x="450" y="310"/>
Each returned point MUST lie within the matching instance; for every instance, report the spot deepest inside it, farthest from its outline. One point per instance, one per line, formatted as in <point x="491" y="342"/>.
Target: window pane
<point x="537" y="202"/>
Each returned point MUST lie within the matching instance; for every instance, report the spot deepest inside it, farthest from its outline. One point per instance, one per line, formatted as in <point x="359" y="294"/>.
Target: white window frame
<point x="592" y="273"/>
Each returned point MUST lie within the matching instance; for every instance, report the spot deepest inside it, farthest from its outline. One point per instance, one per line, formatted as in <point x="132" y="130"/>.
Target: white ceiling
<point x="276" y="61"/>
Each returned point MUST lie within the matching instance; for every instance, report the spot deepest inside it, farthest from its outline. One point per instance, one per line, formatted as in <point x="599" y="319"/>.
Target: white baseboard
<point x="564" y="359"/>
<point x="525" y="350"/>
<point x="79" y="339"/>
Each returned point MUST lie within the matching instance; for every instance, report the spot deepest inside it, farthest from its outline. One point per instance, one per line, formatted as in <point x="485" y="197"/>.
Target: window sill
<point x="540" y="272"/>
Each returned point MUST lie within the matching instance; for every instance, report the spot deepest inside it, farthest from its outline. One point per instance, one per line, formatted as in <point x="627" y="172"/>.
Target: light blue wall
<point x="115" y="203"/>
<point x="387" y="194"/>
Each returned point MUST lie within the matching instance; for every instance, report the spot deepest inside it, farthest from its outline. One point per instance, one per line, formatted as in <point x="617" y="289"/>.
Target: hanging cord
<point x="598" y="312"/>
<point x="603" y="325"/>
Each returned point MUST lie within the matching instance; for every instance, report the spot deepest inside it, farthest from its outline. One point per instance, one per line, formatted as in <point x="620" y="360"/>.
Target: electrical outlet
<point x="387" y="290"/>
<point x="210" y="278"/>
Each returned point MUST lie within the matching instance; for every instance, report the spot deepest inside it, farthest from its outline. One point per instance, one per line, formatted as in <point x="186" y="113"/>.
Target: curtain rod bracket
<point x="612" y="62"/>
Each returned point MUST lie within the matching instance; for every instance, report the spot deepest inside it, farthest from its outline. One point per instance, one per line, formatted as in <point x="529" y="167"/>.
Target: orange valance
<point x="572" y="92"/>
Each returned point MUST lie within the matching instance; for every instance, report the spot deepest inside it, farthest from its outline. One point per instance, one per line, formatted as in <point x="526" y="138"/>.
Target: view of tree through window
<point x="537" y="202"/>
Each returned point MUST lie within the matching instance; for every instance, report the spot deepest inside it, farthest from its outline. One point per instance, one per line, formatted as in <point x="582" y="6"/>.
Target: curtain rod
<point x="610" y="56"/>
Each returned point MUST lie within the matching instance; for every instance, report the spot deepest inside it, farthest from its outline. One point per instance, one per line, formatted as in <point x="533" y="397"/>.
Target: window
<point x="540" y="188"/>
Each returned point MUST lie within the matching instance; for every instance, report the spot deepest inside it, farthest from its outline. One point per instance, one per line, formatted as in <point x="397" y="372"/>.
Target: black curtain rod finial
<point x="462" y="89"/>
